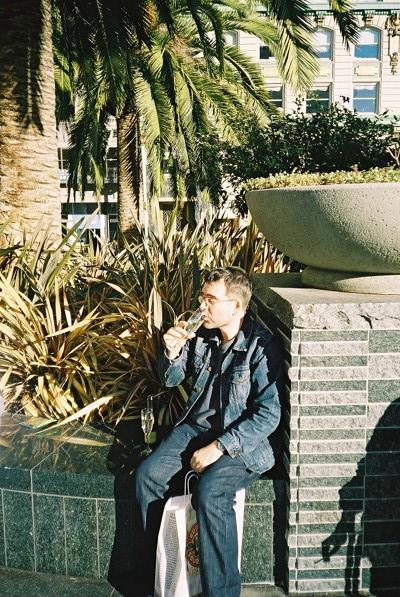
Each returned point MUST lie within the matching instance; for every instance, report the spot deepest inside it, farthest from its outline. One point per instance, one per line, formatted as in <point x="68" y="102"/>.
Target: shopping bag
<point x="239" y="511"/>
<point x="177" y="563"/>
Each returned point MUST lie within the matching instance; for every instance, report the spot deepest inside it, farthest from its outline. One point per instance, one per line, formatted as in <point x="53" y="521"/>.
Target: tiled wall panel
<point x="343" y="440"/>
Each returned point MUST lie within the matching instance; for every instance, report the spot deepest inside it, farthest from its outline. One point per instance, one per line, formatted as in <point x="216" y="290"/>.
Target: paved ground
<point x="17" y="583"/>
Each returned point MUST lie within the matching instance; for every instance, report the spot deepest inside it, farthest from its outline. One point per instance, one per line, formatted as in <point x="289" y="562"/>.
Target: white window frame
<point x="111" y="166"/>
<point x="277" y="88"/>
<point x="272" y="57"/>
<point x="379" y="44"/>
<point x="331" y="44"/>
<point x="63" y="169"/>
<point x="235" y="38"/>
<point x="315" y="88"/>
<point x="377" y="94"/>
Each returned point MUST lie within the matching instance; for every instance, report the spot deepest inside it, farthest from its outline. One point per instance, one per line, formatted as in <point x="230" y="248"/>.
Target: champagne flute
<point x="192" y="324"/>
<point x="147" y="422"/>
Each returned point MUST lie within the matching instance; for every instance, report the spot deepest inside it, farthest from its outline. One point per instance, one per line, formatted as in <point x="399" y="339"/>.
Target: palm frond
<point x="169" y="65"/>
<point x="294" y="12"/>
<point x="295" y="56"/>
<point x="346" y="21"/>
<point x="89" y="136"/>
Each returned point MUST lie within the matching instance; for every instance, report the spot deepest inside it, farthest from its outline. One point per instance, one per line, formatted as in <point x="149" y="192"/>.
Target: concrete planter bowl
<point x="348" y="235"/>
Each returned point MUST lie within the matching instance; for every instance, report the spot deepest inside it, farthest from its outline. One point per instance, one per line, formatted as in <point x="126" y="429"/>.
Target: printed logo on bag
<point x="192" y="546"/>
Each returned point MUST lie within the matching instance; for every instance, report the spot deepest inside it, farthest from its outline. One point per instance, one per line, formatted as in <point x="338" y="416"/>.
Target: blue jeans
<point x="161" y="475"/>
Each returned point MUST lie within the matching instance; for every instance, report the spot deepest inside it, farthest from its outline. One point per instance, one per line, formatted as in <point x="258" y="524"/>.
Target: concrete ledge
<point x="57" y="499"/>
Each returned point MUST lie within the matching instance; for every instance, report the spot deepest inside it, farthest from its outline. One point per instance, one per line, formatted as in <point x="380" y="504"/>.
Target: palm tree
<point x="162" y="108"/>
<point x="166" y="90"/>
<point x="170" y="88"/>
<point x="29" y="181"/>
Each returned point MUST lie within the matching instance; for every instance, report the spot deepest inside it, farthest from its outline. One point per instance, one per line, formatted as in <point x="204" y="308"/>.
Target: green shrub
<point x="336" y="139"/>
<point x="48" y="329"/>
<point x="302" y="179"/>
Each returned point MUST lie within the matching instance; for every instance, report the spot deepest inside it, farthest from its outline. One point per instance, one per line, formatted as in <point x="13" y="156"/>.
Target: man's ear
<point x="239" y="306"/>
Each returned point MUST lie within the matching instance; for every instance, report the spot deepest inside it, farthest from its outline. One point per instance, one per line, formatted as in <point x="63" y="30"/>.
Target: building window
<point x="323" y="42"/>
<point x="113" y="227"/>
<point x="265" y="53"/>
<point x="231" y="38"/>
<point x="112" y="165"/>
<point x="276" y="96"/>
<point x="63" y="158"/>
<point x="318" y="99"/>
<point x="365" y="98"/>
<point x="368" y="45"/>
<point x="63" y="164"/>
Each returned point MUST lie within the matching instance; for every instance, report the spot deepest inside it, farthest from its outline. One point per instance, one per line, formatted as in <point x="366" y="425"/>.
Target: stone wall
<point x="342" y="430"/>
<point x="60" y="506"/>
<point x="56" y="499"/>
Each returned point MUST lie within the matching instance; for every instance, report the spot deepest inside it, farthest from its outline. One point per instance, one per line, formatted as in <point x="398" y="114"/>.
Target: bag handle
<point x="188" y="477"/>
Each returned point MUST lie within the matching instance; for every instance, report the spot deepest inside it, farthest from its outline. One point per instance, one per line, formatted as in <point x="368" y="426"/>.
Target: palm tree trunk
<point x="129" y="172"/>
<point x="29" y="179"/>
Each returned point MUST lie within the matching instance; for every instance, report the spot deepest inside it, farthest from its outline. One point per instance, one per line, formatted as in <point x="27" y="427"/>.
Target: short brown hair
<point x="236" y="281"/>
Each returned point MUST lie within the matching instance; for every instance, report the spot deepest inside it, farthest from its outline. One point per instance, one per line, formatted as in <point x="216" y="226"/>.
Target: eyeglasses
<point x="208" y="300"/>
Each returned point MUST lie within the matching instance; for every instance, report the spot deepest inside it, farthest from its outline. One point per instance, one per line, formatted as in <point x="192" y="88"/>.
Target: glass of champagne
<point x="193" y="323"/>
<point x="147" y="421"/>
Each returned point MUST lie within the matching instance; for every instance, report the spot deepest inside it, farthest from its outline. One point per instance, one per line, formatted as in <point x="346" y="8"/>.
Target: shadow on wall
<point x="122" y="461"/>
<point x="369" y="528"/>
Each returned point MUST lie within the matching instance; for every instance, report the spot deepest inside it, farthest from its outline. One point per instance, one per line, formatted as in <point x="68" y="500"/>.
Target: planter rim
<point x="336" y="185"/>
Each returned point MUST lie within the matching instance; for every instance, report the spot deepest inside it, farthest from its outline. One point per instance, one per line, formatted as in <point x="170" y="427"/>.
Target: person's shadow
<point x="123" y="460"/>
<point x="369" y="528"/>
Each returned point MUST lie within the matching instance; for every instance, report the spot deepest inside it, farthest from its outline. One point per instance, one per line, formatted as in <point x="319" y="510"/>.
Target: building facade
<point x="366" y="76"/>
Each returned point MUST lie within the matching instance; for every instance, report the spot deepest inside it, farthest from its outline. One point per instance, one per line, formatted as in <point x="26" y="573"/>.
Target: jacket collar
<point x="242" y="339"/>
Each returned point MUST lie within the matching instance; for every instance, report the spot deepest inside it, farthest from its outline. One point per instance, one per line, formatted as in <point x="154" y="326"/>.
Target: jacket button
<point x="209" y="368"/>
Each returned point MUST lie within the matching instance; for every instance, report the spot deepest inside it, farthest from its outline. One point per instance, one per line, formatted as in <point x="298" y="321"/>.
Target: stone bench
<point x="58" y="511"/>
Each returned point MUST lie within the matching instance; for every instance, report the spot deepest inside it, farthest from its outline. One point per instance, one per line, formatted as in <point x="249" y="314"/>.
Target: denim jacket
<point x="250" y="403"/>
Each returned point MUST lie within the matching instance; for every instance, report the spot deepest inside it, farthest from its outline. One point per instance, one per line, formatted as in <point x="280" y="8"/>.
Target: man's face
<point x="220" y="307"/>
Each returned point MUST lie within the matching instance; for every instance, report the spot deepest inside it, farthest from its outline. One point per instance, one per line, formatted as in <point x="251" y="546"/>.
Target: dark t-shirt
<point x="206" y="413"/>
